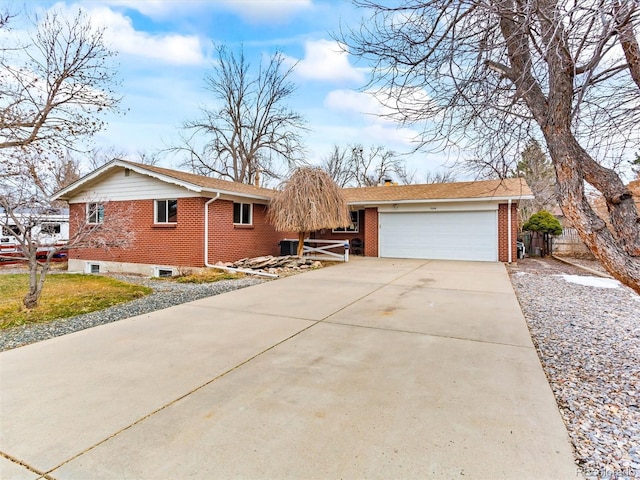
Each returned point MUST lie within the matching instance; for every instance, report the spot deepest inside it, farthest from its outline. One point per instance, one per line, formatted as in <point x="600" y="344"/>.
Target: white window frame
<point x="354" y="227"/>
<point x="97" y="216"/>
<point x="250" y="222"/>
<point x="155" y="211"/>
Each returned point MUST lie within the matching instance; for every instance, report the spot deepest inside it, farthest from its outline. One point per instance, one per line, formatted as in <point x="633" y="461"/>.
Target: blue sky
<point x="166" y="47"/>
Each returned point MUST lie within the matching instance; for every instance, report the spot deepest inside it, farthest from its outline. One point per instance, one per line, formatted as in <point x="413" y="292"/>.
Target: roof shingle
<point x="208" y="182"/>
<point x="510" y="187"/>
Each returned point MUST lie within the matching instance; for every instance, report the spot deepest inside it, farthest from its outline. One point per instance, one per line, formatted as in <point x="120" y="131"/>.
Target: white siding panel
<point x="440" y="235"/>
<point x="118" y="187"/>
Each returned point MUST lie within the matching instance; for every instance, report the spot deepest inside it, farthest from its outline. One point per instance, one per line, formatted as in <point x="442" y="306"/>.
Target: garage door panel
<point x="439" y="235"/>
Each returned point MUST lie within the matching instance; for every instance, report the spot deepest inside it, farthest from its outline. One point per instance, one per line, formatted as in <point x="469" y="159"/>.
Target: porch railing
<point x="322" y="249"/>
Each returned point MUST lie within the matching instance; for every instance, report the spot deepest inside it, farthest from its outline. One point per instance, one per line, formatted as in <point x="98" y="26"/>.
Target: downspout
<point x="206" y="246"/>
<point x="509" y="234"/>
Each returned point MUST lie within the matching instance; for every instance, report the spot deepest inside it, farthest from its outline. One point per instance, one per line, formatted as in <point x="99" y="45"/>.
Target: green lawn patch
<point x="208" y="276"/>
<point x="64" y="295"/>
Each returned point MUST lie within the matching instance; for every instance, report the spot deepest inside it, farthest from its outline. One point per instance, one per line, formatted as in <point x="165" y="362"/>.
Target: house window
<point x="242" y="213"/>
<point x="50" y="228"/>
<point x="353" y="228"/>
<point x="166" y="211"/>
<point x="95" y="213"/>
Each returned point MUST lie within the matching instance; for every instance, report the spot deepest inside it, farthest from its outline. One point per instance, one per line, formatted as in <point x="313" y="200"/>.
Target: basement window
<point x="242" y="213"/>
<point x="92" y="268"/>
<point x="163" y="272"/>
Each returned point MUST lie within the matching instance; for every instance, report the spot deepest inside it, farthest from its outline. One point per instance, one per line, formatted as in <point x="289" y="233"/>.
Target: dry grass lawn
<point x="64" y="295"/>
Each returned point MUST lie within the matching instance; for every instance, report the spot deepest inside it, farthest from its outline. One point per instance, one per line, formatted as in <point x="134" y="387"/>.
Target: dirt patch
<point x="546" y="265"/>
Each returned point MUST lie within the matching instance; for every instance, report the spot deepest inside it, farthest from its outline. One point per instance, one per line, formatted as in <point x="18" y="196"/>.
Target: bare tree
<point x="355" y="166"/>
<point x="99" y="156"/>
<point x="53" y="92"/>
<point x="493" y="74"/>
<point x="249" y="129"/>
<point x="309" y="200"/>
<point x="55" y="89"/>
<point x="440" y="177"/>
<point x="339" y="166"/>
<point x="374" y="166"/>
<point x="23" y="217"/>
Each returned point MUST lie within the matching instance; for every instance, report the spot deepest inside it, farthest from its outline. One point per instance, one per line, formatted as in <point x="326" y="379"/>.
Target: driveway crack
<point x="12" y="459"/>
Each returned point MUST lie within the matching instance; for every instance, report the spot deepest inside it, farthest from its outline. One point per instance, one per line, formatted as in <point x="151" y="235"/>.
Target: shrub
<point x="543" y="222"/>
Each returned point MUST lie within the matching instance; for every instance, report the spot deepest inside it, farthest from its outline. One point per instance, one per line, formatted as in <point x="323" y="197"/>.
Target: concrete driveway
<point x="378" y="368"/>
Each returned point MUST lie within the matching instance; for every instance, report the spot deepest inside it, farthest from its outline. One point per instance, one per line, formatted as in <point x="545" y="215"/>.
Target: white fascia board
<point x="375" y="203"/>
<point x="229" y="193"/>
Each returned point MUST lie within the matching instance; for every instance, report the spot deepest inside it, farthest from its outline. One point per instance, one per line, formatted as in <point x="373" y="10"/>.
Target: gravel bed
<point x="588" y="341"/>
<point x="165" y="294"/>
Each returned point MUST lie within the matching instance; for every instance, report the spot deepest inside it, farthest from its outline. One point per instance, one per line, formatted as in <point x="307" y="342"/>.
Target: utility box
<point x="288" y="247"/>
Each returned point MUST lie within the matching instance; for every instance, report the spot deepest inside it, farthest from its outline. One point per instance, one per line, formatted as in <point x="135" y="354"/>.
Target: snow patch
<point x="598" y="282"/>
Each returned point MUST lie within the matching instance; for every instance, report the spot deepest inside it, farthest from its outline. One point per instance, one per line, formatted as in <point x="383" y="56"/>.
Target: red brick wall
<point x="178" y="244"/>
<point x="182" y="244"/>
<point x="229" y="242"/>
<point x="371" y="232"/>
<point x="503" y="233"/>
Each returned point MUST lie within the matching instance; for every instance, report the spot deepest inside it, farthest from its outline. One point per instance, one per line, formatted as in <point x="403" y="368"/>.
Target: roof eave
<point x="441" y="200"/>
<point x="65" y="193"/>
<point x="236" y="194"/>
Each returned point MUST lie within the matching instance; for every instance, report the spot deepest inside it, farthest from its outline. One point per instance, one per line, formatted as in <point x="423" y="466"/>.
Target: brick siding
<point x="182" y="243"/>
<point x="371" y="229"/>
<point x="229" y="242"/>
<point x="503" y="233"/>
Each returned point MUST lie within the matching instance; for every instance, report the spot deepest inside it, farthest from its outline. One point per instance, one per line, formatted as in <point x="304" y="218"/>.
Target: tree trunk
<point x="616" y="253"/>
<point x="301" y="236"/>
<point x="36" y="283"/>
<point x="31" y="299"/>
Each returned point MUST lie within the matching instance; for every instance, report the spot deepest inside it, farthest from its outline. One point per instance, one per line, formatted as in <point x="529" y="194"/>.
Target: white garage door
<point x="440" y="235"/>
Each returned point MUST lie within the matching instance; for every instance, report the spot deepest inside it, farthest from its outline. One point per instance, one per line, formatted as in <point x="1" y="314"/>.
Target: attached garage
<point x="444" y="235"/>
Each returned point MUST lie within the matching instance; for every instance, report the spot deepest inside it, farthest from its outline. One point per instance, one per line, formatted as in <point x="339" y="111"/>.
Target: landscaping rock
<point x="270" y="264"/>
<point x="588" y="341"/>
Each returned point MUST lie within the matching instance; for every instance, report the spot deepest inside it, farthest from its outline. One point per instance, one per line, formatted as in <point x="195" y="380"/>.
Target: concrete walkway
<point x="378" y="368"/>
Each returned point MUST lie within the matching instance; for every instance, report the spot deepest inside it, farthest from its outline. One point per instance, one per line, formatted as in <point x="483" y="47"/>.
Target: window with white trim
<point x="242" y="213"/>
<point x="95" y="213"/>
<point x="166" y="211"/>
<point x="355" y="223"/>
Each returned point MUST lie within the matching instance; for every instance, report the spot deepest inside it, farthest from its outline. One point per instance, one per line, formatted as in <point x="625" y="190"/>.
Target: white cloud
<point x="120" y="35"/>
<point x="327" y="60"/>
<point x="170" y="48"/>
<point x="410" y="106"/>
<point x="354" y="102"/>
